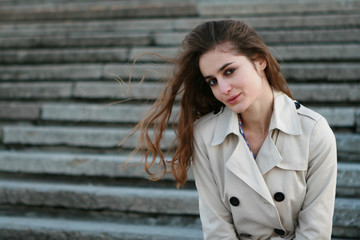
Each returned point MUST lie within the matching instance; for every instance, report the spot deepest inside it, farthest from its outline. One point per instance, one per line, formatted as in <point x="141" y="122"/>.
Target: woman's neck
<point x="256" y="118"/>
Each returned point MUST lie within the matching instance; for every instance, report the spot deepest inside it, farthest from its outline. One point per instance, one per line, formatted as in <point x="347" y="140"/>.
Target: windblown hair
<point x="196" y="95"/>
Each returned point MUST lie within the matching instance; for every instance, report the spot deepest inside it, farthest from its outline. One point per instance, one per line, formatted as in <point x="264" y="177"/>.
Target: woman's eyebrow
<point x="220" y="69"/>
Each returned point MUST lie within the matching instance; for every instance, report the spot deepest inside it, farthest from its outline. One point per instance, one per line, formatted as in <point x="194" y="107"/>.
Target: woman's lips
<point x="233" y="99"/>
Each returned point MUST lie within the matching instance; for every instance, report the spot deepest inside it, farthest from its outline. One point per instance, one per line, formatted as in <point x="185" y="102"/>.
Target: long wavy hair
<point x="196" y="96"/>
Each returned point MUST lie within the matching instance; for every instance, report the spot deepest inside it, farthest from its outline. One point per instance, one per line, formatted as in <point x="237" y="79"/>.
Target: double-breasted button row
<point x="279" y="197"/>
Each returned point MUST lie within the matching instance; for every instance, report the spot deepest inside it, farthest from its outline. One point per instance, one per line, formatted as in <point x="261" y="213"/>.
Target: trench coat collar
<point x="284" y="118"/>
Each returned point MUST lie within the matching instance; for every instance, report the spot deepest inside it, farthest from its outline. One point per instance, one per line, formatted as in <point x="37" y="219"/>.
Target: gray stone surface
<point x="291" y="71"/>
<point x="115" y="25"/>
<point x="181" y="24"/>
<point x="74" y="136"/>
<point x="314" y="36"/>
<point x="123" y="113"/>
<point x="326" y="92"/>
<point x="67" y="229"/>
<point x="63" y="56"/>
<point x="99" y="11"/>
<point x="339" y="117"/>
<point x="51" y="72"/>
<point x="348" y="175"/>
<point x="357" y="115"/>
<point x="19" y="111"/>
<point x="261" y="22"/>
<point x="347" y="213"/>
<point x="117" y="90"/>
<point x="73" y="164"/>
<point x="278" y="7"/>
<point x="317" y="52"/>
<point x="147" y="71"/>
<point x="74" y="40"/>
<point x="92" y="197"/>
<point x="348" y="142"/>
<point x="35" y="90"/>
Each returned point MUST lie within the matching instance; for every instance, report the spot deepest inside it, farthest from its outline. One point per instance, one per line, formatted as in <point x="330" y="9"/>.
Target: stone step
<point x="111" y="10"/>
<point x="220" y="9"/>
<point x="91" y="137"/>
<point x="313" y="92"/>
<point x="116" y="93"/>
<point x="291" y="71"/>
<point x="174" y="25"/>
<point x="22" y="227"/>
<point x="97" y="137"/>
<point x="99" y="197"/>
<point x="98" y="10"/>
<point x="140" y="200"/>
<point x="343" y="52"/>
<point x="275" y="37"/>
<point x="121" y="166"/>
<point x="129" y="113"/>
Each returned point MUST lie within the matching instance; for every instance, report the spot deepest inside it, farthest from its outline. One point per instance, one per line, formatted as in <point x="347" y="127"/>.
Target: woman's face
<point x="234" y="80"/>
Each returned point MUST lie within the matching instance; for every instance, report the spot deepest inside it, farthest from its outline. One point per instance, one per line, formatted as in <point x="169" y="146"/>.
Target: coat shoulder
<point x="308" y="113"/>
<point x="211" y="116"/>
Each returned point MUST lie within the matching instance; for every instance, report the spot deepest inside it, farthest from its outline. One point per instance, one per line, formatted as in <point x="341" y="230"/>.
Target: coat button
<point x="279" y="231"/>
<point x="245" y="235"/>
<point x="279" y="196"/>
<point x="297" y="104"/>
<point x="234" y="201"/>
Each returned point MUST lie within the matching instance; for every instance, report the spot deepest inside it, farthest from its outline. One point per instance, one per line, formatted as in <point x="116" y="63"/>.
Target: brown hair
<point x="196" y="96"/>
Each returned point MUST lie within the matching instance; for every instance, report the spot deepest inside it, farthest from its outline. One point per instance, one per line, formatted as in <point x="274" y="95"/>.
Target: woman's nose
<point x="224" y="87"/>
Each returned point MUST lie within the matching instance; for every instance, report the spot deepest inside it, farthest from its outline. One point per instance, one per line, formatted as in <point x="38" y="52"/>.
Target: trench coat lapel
<point x="240" y="162"/>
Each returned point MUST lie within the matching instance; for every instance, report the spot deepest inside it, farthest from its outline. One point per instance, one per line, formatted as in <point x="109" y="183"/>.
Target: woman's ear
<point x="260" y="63"/>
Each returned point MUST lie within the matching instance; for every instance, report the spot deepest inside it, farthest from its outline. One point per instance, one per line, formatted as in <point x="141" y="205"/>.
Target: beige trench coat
<point x="288" y="192"/>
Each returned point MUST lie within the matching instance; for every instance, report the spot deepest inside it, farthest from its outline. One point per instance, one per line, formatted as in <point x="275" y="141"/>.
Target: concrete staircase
<point x="63" y="110"/>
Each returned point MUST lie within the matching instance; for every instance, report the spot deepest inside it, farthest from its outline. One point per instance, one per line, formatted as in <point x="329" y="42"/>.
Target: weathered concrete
<point x="51" y="72"/>
<point x="183" y="25"/>
<point x="35" y="90"/>
<point x="338" y="117"/>
<point x="291" y="71"/>
<point x="262" y="22"/>
<point x="74" y="136"/>
<point x="348" y="142"/>
<point x="31" y="56"/>
<point x="67" y="229"/>
<point x="75" y="40"/>
<point x="321" y="71"/>
<point x="117" y="113"/>
<point x="91" y="197"/>
<point x="357" y="115"/>
<point x="19" y="111"/>
<point x="99" y="11"/>
<point x="111" y="137"/>
<point x="326" y="92"/>
<point x="278" y="7"/>
<point x="117" y="90"/>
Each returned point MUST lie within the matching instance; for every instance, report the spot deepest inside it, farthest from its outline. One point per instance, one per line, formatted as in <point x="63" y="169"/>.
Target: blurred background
<point x="66" y="103"/>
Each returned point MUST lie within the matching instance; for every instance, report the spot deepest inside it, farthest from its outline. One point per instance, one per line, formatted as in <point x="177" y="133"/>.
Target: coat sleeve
<point x="216" y="219"/>
<point x="315" y="217"/>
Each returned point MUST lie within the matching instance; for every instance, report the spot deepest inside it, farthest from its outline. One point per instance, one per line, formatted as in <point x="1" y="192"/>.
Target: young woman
<point x="264" y="165"/>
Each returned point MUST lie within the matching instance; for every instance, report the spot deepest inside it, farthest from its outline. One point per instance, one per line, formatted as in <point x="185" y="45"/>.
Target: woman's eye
<point x="212" y="82"/>
<point x="229" y="71"/>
